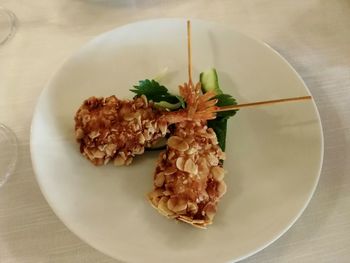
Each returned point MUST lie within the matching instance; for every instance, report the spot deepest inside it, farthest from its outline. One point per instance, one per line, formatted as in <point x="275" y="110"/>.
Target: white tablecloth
<point x="314" y="35"/>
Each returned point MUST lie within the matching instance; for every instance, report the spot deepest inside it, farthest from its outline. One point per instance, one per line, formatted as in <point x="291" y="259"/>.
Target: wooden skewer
<point x="232" y="107"/>
<point x="258" y="103"/>
<point x="189" y="51"/>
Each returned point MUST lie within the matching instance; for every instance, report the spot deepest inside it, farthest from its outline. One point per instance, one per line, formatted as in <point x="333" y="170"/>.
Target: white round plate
<point x="274" y="153"/>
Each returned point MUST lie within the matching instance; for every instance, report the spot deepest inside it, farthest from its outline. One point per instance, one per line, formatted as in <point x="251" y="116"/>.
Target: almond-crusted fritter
<point x="109" y="129"/>
<point x="188" y="181"/>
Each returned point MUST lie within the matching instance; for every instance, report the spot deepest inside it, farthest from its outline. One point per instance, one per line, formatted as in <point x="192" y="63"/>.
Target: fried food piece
<point x="188" y="181"/>
<point x="109" y="129"/>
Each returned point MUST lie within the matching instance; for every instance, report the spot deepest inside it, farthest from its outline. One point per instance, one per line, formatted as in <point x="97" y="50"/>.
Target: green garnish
<point x="219" y="125"/>
<point x="210" y="82"/>
<point x="158" y="94"/>
<point x="225" y="100"/>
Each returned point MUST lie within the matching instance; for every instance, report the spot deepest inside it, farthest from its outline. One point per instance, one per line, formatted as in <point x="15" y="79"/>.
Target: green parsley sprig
<point x="158" y="94"/>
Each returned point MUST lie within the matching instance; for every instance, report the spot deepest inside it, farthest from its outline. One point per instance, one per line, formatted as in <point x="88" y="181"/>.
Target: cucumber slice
<point x="210" y="81"/>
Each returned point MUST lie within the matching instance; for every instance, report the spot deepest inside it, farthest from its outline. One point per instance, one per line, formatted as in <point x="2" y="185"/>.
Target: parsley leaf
<point x="151" y="89"/>
<point x="219" y="124"/>
<point x="158" y="93"/>
<point x="225" y="100"/>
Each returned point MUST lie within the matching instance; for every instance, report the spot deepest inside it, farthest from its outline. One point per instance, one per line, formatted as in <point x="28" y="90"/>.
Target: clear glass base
<point x="7" y="25"/>
<point x="8" y="153"/>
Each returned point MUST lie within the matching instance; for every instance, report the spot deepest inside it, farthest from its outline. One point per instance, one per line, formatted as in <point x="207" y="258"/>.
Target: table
<point x="314" y="36"/>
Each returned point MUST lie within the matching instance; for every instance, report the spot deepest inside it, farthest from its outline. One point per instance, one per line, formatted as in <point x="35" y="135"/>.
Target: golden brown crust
<point x="109" y="129"/>
<point x="188" y="181"/>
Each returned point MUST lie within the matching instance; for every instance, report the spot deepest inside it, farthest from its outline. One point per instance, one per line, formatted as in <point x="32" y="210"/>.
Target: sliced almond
<point x="167" y="193"/>
<point x="122" y="155"/>
<point x="218" y="173"/>
<point x="170" y="170"/>
<point x="129" y="116"/>
<point x="180" y="163"/>
<point x="171" y="155"/>
<point x="110" y="149"/>
<point x="204" y="196"/>
<point x="119" y="161"/>
<point x="189" y="140"/>
<point x="79" y="133"/>
<point x="145" y="101"/>
<point x="159" y="179"/>
<point x="102" y="147"/>
<point x="154" y="197"/>
<point x="163" y="207"/>
<point x="128" y="161"/>
<point x="209" y="135"/>
<point x="214" y="141"/>
<point x="176" y="205"/>
<point x="155" y="193"/>
<point x="138" y="150"/>
<point x="203" y="167"/>
<point x="88" y="154"/>
<point x="191" y="151"/>
<point x="151" y="129"/>
<point x="221" y="189"/>
<point x="192" y="207"/>
<point x="147" y="124"/>
<point x="178" y="143"/>
<point x="86" y="119"/>
<point x="98" y="154"/>
<point x="210" y="211"/>
<point x="94" y="134"/>
<point x="147" y="135"/>
<point x="141" y="138"/>
<point x="212" y="159"/>
<point x="190" y="221"/>
<point x="221" y="155"/>
<point x="199" y="222"/>
<point x="139" y="122"/>
<point x="135" y="127"/>
<point x="163" y="127"/>
<point x="190" y="167"/>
